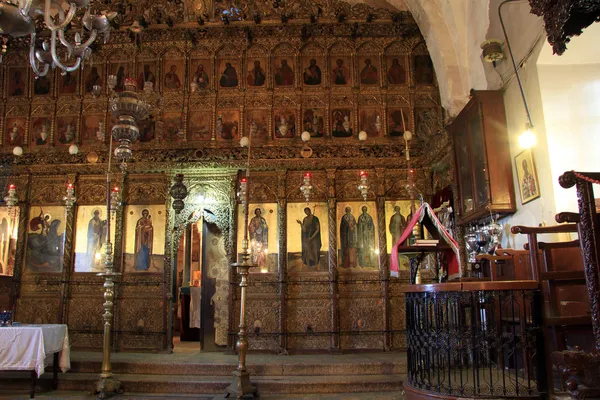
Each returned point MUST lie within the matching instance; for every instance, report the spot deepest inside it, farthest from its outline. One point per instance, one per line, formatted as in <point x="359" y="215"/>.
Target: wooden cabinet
<point x="482" y="158"/>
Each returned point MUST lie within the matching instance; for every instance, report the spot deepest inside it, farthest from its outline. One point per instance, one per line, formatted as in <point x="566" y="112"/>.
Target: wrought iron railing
<point x="476" y="343"/>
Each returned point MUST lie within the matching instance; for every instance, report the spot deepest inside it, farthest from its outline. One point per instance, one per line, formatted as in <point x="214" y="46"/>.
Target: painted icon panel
<point x="358" y="238"/>
<point x="199" y="126"/>
<point x="144" y="238"/>
<point x="15" y="129"/>
<point x="341" y="123"/>
<point x="45" y="239"/>
<point x="90" y="238"/>
<point x="262" y="235"/>
<point x="307" y="238"/>
<point x="227" y="126"/>
<point x="9" y="228"/>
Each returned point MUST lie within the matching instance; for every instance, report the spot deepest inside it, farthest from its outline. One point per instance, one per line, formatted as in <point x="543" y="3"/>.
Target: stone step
<point x="225" y="369"/>
<point x="190" y="384"/>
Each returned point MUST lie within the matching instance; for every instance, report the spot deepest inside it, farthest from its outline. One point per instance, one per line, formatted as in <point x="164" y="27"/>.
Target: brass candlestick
<point x="241" y="377"/>
<point x="108" y="385"/>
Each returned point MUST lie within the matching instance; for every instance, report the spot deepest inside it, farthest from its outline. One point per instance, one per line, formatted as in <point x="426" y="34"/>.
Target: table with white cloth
<point x="26" y="347"/>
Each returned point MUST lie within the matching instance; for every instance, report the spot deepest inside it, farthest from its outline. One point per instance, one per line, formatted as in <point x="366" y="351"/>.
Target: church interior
<point x="309" y="198"/>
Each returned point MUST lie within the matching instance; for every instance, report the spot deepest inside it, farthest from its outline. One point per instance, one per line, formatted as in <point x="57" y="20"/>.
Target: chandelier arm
<point x="33" y="61"/>
<point x="57" y="60"/>
<point x="84" y="45"/>
<point x="67" y="18"/>
<point x="24" y="7"/>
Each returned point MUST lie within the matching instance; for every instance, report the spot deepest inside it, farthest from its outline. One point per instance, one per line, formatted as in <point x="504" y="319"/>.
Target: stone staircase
<point x="210" y="373"/>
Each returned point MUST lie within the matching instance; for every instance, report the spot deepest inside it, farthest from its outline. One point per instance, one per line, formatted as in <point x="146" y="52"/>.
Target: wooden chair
<point x="558" y="267"/>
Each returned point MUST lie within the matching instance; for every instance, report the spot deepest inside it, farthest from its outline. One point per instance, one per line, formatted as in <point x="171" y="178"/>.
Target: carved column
<point x="384" y="270"/>
<point x="282" y="260"/>
<point x="231" y="328"/>
<point x="334" y="346"/>
<point x="23" y="194"/>
<point x="68" y="256"/>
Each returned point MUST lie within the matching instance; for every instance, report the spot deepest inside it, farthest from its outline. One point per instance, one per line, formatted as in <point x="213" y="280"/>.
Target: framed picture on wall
<point x="529" y="186"/>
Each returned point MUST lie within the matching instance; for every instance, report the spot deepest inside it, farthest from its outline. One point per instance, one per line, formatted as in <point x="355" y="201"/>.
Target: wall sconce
<point x="527" y="138"/>
<point x="307" y="186"/>
<point x="363" y="186"/>
<point x="115" y="200"/>
<point x="178" y="193"/>
<point x="243" y="190"/>
<point x="11" y="199"/>
<point x="70" y="197"/>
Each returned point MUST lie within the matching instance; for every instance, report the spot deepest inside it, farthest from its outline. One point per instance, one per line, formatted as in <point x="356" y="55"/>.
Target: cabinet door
<point x="478" y="158"/>
<point x="465" y="177"/>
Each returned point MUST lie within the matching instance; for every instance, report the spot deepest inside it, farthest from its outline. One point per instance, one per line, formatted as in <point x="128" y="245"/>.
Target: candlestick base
<point x="241" y="385"/>
<point x="108" y="386"/>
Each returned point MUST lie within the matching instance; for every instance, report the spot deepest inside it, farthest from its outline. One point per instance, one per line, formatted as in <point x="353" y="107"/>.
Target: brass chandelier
<point x="18" y="18"/>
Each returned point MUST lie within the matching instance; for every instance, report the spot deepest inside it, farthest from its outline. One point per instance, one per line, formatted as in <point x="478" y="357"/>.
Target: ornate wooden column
<point x="334" y="346"/>
<point x="231" y="328"/>
<point x="282" y="261"/>
<point x="384" y="270"/>
<point x="68" y="255"/>
<point x="23" y="182"/>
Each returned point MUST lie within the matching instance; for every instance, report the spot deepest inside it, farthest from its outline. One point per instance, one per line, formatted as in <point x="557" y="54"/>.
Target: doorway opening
<point x="194" y="315"/>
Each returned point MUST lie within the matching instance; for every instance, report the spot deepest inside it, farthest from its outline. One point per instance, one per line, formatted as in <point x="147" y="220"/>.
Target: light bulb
<point x="305" y="136"/>
<point x="18" y="151"/>
<point x="244" y="141"/>
<point x="73" y="149"/>
<point x="362" y="136"/>
<point x="527" y="138"/>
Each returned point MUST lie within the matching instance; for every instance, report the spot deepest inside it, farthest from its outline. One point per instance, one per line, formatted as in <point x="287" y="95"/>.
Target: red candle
<point x="115" y="189"/>
<point x="12" y="186"/>
<point x="363" y="173"/>
<point x="244" y="180"/>
<point x="70" y="186"/>
<point x="308" y="175"/>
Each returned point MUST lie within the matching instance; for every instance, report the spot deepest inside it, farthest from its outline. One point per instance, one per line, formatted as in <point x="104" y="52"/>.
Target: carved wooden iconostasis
<point x="213" y="84"/>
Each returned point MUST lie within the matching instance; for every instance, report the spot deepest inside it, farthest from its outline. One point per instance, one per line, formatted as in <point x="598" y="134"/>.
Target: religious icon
<point x="311" y="238"/>
<point x="172" y="80"/>
<point x="200" y="78"/>
<point x="172" y="127"/>
<point x="340" y="74"/>
<point x="369" y="74"/>
<point x="348" y="239"/>
<point x="144" y="238"/>
<point x="312" y="73"/>
<point x="227" y="126"/>
<point x="257" y="75"/>
<point x="144" y="234"/>
<point x="284" y="123"/>
<point x="68" y="83"/>
<point x="45" y="239"/>
<point x="229" y="76"/>
<point x="284" y="74"/>
<point x="313" y="122"/>
<point x="15" y="131"/>
<point x="257" y="124"/>
<point x="423" y="70"/>
<point x="397" y="224"/>
<point x="90" y="237"/>
<point x="427" y="122"/>
<point x="42" y="85"/>
<point x="120" y="71"/>
<point x="147" y="130"/>
<point x="199" y="125"/>
<point x="396" y="74"/>
<point x="65" y="132"/>
<point x="8" y="240"/>
<point x="341" y="124"/>
<point x="366" y="240"/>
<point x="146" y="73"/>
<point x="398" y="121"/>
<point x="370" y="122"/>
<point x="91" y="127"/>
<point x="40" y="131"/>
<point x="527" y="176"/>
<point x="258" y="231"/>
<point x="17" y="82"/>
<point x="93" y="77"/>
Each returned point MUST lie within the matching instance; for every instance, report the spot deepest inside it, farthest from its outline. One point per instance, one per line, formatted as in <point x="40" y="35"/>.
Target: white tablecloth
<point x="26" y="347"/>
<point x="195" y="306"/>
